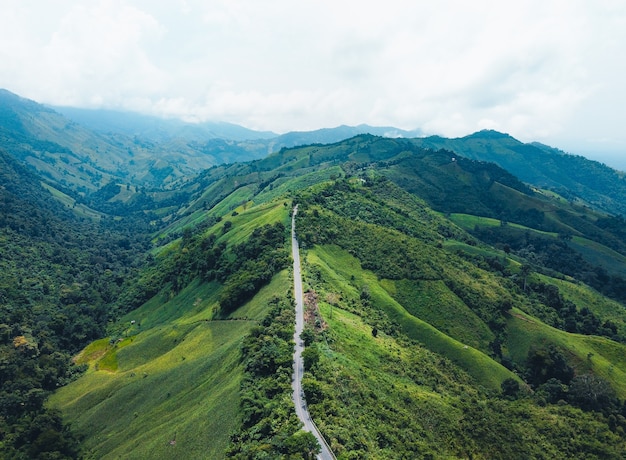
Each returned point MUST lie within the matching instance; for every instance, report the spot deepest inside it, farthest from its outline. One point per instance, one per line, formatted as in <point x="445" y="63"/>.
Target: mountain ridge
<point x="447" y="312"/>
<point x="74" y="157"/>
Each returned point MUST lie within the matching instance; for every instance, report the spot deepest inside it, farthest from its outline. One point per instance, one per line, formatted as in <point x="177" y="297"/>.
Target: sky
<point x="550" y="71"/>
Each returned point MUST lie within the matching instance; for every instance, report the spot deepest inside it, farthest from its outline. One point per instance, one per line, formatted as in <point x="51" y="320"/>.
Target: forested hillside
<point x="60" y="276"/>
<point x="453" y="311"/>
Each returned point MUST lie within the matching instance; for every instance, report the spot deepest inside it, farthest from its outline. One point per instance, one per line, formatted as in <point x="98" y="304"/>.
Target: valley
<point x="463" y="301"/>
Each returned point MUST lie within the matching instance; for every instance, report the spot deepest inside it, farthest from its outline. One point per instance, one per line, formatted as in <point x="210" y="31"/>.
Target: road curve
<point x="302" y="410"/>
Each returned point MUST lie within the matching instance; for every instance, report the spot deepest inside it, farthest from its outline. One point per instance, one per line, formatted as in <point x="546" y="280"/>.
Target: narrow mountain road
<point x="298" y="364"/>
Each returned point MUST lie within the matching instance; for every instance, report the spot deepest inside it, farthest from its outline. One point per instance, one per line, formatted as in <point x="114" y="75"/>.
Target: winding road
<point x="298" y="364"/>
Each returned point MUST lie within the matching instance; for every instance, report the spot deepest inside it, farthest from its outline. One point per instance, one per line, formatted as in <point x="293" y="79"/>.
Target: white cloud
<point x="536" y="69"/>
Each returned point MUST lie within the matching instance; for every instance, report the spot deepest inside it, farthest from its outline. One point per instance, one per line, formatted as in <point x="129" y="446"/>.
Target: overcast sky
<point x="545" y="70"/>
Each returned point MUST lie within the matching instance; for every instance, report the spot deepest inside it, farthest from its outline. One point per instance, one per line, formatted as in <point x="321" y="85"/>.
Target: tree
<point x="510" y="388"/>
<point x="524" y="272"/>
<point x="307" y="335"/>
<point x="544" y="364"/>
<point x="302" y="444"/>
<point x="590" y="392"/>
<point x="311" y="356"/>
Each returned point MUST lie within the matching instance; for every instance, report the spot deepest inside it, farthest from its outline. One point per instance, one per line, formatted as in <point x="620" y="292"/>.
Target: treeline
<point x="270" y="428"/>
<point x="555" y="254"/>
<point x="243" y="268"/>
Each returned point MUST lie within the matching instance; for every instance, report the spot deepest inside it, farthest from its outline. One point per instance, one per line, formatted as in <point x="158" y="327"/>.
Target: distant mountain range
<point x="157" y="129"/>
<point x="83" y="150"/>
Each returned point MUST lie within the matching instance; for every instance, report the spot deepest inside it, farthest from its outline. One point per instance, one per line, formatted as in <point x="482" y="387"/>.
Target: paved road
<point x="298" y="364"/>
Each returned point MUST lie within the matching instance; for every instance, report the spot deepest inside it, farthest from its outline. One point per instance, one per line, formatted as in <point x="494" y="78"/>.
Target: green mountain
<point x="438" y="327"/>
<point x="59" y="273"/>
<point x="84" y="150"/>
<point x="72" y="156"/>
<point x="572" y="176"/>
<point x="453" y="310"/>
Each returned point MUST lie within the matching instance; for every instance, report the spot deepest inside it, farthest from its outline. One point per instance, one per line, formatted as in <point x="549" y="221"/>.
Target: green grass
<point x="255" y="309"/>
<point x="346" y="271"/>
<point x="593" y="252"/>
<point x="174" y="375"/>
<point x="469" y="221"/>
<point x="588" y="353"/>
<point x="288" y="185"/>
<point x="598" y="254"/>
<point x="246" y="219"/>
<point x="187" y="390"/>
<point x="367" y="376"/>
<point x="483" y="251"/>
<point x="434" y="303"/>
<point x="233" y="201"/>
<point x="194" y="303"/>
<point x="252" y="218"/>
<point x="68" y="201"/>
<point x="583" y="296"/>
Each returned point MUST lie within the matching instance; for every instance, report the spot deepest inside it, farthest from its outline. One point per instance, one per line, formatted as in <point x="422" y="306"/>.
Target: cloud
<point x="94" y="56"/>
<point x="537" y="69"/>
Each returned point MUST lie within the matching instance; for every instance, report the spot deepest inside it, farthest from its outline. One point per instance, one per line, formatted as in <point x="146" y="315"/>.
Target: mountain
<point x="82" y="160"/>
<point x="454" y="308"/>
<point x="59" y="271"/>
<point x="332" y="135"/>
<point x="450" y="315"/>
<point x="91" y="148"/>
<point x="83" y="150"/>
<point x="572" y="176"/>
<point x="157" y="129"/>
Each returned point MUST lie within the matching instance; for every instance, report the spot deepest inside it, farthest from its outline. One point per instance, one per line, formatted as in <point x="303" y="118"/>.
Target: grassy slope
<point x="584" y="296"/>
<point x="176" y="379"/>
<point x="70" y="202"/>
<point x="384" y="398"/>
<point x="588" y="353"/>
<point x="338" y="266"/>
<point x="591" y="251"/>
<point x="434" y="303"/>
<point x="384" y="370"/>
<point x="175" y="374"/>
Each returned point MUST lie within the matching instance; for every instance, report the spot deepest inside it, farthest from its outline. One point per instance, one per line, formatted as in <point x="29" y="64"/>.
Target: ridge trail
<point x="302" y="410"/>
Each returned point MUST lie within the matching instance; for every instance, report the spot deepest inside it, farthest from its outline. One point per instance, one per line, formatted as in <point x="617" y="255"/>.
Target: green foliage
<point x="310" y="356"/>
<point x="59" y="275"/>
<point x="591" y="392"/>
<point x="341" y="271"/>
<point x="575" y="177"/>
<point x="255" y="262"/>
<point x="177" y="380"/>
<point x="510" y="388"/>
<point x="269" y="426"/>
<point x="545" y="364"/>
<point x="418" y="315"/>
<point x="386" y="397"/>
